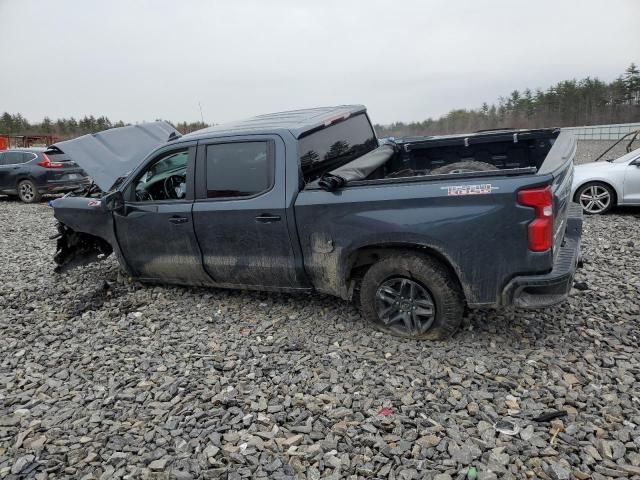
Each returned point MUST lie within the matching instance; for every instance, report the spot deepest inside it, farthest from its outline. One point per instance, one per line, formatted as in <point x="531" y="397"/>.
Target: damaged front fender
<point x="74" y="249"/>
<point x="85" y="232"/>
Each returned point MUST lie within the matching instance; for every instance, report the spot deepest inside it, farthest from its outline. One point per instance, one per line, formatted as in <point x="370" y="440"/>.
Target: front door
<point x="155" y="230"/>
<point x="632" y="183"/>
<point x="240" y="213"/>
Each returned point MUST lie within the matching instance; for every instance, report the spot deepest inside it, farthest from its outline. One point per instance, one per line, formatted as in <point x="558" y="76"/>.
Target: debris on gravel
<point x="101" y="377"/>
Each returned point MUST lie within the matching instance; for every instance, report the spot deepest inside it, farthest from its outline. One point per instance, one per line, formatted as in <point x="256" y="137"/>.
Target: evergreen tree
<point x="632" y="84"/>
<point x="588" y="101"/>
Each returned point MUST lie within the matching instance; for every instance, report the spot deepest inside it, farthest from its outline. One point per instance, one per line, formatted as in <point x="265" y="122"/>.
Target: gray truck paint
<point x="107" y="155"/>
<point x="322" y="235"/>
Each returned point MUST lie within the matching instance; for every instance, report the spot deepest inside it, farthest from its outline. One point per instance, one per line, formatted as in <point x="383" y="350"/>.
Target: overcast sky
<point x="406" y="60"/>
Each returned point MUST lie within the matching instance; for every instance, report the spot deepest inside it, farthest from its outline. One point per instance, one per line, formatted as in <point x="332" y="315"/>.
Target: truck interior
<point x="514" y="150"/>
<point x="500" y="150"/>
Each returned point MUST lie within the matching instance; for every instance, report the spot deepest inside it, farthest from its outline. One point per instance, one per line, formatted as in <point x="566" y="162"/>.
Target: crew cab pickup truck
<point x="414" y="230"/>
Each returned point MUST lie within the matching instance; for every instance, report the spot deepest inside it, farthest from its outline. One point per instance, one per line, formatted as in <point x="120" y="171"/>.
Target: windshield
<point x="628" y="157"/>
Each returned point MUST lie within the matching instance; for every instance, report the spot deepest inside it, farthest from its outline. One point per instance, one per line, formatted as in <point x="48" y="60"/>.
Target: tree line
<point x="589" y="101"/>
<point x="63" y="128"/>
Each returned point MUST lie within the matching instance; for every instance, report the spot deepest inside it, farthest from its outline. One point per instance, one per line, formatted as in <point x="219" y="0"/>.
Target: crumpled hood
<point x="109" y="154"/>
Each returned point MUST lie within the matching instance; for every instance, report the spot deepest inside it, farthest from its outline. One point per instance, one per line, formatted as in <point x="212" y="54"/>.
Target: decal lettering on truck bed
<point x="455" y="190"/>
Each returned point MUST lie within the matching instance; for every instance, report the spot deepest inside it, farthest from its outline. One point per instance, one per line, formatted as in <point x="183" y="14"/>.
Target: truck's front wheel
<point x="412" y="296"/>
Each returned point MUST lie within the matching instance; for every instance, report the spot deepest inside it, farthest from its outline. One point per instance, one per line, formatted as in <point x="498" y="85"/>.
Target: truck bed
<point x="460" y="218"/>
<point x="504" y="150"/>
<point x="507" y="152"/>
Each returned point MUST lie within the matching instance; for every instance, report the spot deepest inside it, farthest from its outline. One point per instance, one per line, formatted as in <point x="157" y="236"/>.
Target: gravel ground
<point x="104" y="378"/>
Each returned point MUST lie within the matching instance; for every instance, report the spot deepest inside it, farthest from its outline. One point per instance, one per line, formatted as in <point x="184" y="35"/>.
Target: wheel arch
<point x="362" y="258"/>
<point x="607" y="182"/>
<point x="25" y="176"/>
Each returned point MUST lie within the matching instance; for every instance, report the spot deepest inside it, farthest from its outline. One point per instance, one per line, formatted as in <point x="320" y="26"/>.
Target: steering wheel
<point x="143" y="196"/>
<point x="171" y="183"/>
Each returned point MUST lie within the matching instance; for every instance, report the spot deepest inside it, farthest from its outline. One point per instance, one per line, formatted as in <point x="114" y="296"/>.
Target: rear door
<point x="631" y="189"/>
<point x="155" y="231"/>
<point x="240" y="212"/>
<point x="12" y="164"/>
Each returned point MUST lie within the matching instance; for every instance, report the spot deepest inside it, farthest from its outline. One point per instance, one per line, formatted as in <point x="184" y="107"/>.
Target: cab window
<point x="238" y="169"/>
<point x="165" y="179"/>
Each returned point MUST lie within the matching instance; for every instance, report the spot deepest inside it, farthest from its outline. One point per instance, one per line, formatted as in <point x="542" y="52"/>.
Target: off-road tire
<point x="28" y="192"/>
<point x="463" y="167"/>
<point x="431" y="275"/>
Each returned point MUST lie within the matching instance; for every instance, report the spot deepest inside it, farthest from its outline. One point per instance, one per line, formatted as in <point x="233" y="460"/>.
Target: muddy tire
<point x="464" y="167"/>
<point x="412" y="296"/>
<point x="28" y="192"/>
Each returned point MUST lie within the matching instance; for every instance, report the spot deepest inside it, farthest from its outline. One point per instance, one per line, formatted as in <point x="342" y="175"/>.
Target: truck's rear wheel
<point x="412" y="296"/>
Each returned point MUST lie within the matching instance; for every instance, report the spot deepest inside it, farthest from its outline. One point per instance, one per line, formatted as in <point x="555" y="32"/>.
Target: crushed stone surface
<point x="101" y="377"/>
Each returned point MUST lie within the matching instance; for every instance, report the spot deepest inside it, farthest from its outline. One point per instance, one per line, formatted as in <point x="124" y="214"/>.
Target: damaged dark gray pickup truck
<point x="414" y="230"/>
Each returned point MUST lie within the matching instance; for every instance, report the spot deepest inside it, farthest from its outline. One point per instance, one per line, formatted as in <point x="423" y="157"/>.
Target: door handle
<point x="267" y="218"/>
<point x="176" y="220"/>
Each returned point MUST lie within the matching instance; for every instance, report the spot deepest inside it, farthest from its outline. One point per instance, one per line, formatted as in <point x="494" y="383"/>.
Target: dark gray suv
<point x="30" y="173"/>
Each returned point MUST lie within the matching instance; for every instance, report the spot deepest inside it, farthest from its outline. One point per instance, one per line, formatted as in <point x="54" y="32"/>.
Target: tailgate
<point x="69" y="172"/>
<point x="559" y="163"/>
<point x="66" y="175"/>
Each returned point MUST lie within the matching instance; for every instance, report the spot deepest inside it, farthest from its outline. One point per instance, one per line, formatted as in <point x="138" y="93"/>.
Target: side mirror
<point x="113" y="202"/>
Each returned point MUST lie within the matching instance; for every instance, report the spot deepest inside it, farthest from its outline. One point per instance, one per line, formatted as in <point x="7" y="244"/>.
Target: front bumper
<point x="538" y="291"/>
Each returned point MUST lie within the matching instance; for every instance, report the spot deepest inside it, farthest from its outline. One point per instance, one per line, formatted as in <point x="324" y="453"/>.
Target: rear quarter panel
<point x="483" y="237"/>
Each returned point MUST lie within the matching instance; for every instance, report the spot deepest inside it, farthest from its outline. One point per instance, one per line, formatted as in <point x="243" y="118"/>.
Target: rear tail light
<point x="541" y="228"/>
<point x="47" y="163"/>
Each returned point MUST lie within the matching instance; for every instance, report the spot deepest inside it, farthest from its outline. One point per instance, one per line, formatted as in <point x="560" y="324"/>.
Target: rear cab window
<point x="239" y="169"/>
<point x="325" y="150"/>
<point x="60" y="157"/>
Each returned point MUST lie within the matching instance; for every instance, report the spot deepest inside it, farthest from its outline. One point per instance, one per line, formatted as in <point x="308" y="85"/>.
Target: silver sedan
<point x="599" y="186"/>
